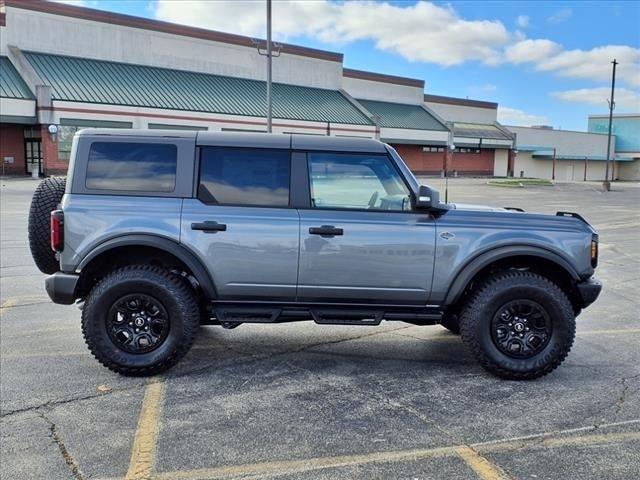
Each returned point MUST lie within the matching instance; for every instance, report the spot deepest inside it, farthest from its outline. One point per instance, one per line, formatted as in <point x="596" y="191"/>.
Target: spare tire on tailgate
<point x="45" y="199"/>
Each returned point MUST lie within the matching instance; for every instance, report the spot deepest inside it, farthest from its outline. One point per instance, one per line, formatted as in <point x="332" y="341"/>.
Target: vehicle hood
<point x="506" y="217"/>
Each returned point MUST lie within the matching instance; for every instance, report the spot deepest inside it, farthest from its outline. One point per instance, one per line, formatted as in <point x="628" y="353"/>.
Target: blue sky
<point x="543" y="62"/>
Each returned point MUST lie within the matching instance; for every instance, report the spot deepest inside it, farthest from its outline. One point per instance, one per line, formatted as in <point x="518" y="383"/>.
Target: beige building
<point x="66" y="67"/>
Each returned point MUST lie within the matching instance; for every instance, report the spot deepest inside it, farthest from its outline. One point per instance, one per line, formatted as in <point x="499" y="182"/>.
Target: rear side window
<point x="128" y="166"/>
<point x="245" y="177"/>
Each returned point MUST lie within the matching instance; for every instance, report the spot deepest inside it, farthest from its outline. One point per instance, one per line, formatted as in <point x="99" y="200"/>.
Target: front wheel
<point x="140" y="320"/>
<point x="518" y="325"/>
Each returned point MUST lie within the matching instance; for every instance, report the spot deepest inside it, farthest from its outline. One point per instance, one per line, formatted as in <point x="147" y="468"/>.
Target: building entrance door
<point x="33" y="154"/>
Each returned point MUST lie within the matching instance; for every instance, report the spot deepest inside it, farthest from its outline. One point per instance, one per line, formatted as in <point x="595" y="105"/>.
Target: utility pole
<point x="269" y="61"/>
<point x="607" y="184"/>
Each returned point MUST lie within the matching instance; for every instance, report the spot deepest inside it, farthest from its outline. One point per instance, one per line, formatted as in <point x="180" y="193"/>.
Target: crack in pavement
<point x="203" y="368"/>
<point x="623" y="394"/>
<point x="66" y="455"/>
<point x="55" y="403"/>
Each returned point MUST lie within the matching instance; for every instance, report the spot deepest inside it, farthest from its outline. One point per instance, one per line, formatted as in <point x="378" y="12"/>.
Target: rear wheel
<point x="518" y="325"/>
<point x="140" y="320"/>
<point x="45" y="199"/>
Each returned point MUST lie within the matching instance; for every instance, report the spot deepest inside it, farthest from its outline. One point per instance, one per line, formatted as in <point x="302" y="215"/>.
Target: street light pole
<point x="607" y="184"/>
<point x="269" y="59"/>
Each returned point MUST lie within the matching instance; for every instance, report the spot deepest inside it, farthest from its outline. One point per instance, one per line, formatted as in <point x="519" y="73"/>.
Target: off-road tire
<point x="176" y="296"/>
<point x="451" y="322"/>
<point x="490" y="296"/>
<point x="45" y="199"/>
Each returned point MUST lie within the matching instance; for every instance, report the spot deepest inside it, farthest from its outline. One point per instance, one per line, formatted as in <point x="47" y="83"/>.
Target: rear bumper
<point x="589" y="291"/>
<point x="61" y="287"/>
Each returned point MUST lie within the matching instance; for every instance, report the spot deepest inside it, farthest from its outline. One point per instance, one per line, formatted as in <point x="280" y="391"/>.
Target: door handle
<point x="209" y="227"/>
<point x="326" y="231"/>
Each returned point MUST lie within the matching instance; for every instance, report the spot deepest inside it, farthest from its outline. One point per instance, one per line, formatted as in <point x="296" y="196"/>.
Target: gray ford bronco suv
<point x="155" y="233"/>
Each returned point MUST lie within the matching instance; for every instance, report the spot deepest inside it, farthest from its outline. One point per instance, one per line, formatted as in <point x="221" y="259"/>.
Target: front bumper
<point x="589" y="291"/>
<point x="61" y="287"/>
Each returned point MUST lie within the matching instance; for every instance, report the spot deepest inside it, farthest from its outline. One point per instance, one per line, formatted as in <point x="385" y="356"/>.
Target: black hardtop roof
<point x="252" y="140"/>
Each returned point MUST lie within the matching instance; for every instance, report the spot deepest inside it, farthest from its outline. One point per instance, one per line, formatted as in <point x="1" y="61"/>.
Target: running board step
<point x="347" y="317"/>
<point x="247" y="315"/>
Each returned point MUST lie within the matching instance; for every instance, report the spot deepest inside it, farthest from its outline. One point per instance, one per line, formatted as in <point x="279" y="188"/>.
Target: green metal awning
<point x="400" y="115"/>
<point x="11" y="83"/>
<point x="479" y="130"/>
<point x="96" y="81"/>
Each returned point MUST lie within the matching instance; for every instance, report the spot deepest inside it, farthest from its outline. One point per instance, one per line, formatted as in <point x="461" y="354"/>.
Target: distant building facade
<point x="64" y="68"/>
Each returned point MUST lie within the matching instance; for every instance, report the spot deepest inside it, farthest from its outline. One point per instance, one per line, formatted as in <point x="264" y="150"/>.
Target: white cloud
<point x="514" y="116"/>
<point x="522" y="21"/>
<point x="625" y="99"/>
<point x="531" y="50"/>
<point x="595" y="64"/>
<point x="420" y="32"/>
<point x="560" y="16"/>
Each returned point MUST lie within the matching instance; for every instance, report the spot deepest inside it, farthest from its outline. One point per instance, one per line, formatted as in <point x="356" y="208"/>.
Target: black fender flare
<point x="471" y="268"/>
<point x="161" y="243"/>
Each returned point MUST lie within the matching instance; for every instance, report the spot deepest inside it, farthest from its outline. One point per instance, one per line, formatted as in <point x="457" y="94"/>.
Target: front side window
<point x="145" y="167"/>
<point x="360" y="182"/>
<point x="231" y="176"/>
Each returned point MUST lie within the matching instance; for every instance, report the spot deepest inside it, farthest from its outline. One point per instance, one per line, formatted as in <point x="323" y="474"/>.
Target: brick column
<point x="511" y="163"/>
<point x="51" y="164"/>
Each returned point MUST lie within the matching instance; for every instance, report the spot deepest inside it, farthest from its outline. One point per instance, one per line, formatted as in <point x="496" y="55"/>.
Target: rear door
<point x="360" y="240"/>
<point x="241" y="224"/>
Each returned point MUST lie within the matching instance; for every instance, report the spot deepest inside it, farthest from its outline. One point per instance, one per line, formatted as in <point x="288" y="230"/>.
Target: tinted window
<point x="145" y="167"/>
<point x="245" y="177"/>
<point x="368" y="182"/>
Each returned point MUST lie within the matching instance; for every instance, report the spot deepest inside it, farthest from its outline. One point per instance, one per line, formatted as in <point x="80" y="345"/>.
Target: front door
<point x="33" y="155"/>
<point x="360" y="240"/>
<point x="241" y="225"/>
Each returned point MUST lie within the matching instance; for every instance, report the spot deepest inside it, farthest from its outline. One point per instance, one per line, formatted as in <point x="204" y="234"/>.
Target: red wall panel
<point x="432" y="163"/>
<point x="12" y="145"/>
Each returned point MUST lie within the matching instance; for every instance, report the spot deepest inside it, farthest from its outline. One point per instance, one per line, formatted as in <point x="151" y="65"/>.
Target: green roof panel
<point x="479" y="130"/>
<point x="96" y="81"/>
<point x="401" y="115"/>
<point x="11" y="83"/>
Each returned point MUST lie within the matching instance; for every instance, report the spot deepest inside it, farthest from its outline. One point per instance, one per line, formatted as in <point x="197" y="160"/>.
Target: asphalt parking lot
<point x="301" y="401"/>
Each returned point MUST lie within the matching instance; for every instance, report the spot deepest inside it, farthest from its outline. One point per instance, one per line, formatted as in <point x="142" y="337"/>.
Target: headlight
<point x="594" y="251"/>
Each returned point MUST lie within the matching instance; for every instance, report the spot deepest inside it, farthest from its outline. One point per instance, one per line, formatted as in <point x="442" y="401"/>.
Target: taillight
<point x="57" y="230"/>
<point x="594" y="251"/>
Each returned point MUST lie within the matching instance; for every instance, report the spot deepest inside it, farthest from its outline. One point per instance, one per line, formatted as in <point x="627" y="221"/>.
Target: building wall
<point x="49" y="33"/>
<point x="419" y="161"/>
<point x="500" y="163"/>
<point x="473" y="163"/>
<point x="572" y="170"/>
<point x="140" y="117"/>
<point x="626" y="128"/>
<point x="432" y="163"/>
<point x="12" y="146"/>
<point x="383" y="91"/>
<point x="628" y="170"/>
<point x="566" y="142"/>
<point x="462" y="113"/>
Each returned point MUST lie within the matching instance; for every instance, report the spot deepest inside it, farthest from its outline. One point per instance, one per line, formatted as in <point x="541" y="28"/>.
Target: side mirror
<point x="427" y="198"/>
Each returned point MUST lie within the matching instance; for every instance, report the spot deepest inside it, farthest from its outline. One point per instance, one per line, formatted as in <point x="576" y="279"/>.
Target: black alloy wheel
<point x="138" y="323"/>
<point x="521" y="328"/>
